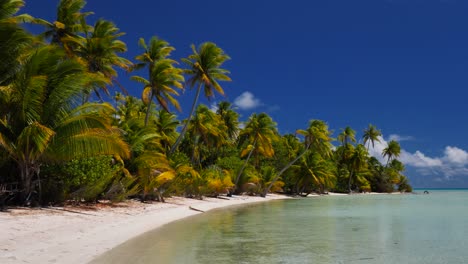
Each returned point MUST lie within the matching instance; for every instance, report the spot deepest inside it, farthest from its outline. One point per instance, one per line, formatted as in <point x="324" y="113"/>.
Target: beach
<point x="80" y="234"/>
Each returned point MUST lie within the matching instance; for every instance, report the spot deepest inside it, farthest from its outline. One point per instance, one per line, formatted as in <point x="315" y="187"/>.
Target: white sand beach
<point x="79" y="234"/>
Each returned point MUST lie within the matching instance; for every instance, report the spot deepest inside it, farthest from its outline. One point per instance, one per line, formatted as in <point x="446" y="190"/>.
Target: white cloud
<point x="214" y="107"/>
<point x="399" y="138"/>
<point x="377" y="149"/>
<point x="453" y="162"/>
<point x="247" y="101"/>
<point x="418" y="159"/>
<point x="455" y="155"/>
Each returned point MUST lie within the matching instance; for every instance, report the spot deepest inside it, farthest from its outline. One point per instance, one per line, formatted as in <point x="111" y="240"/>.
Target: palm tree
<point x="43" y="124"/>
<point x="259" y="133"/>
<point x="316" y="135"/>
<point x="230" y="118"/>
<point x="371" y="134"/>
<point x="317" y="170"/>
<point x="358" y="161"/>
<point x="128" y="107"/>
<point x="13" y="38"/>
<point x="347" y="136"/>
<point x="70" y="23"/>
<point x="163" y="76"/>
<point x="157" y="173"/>
<point x="99" y="51"/>
<point x="204" y="71"/>
<point x="207" y="128"/>
<point x="216" y="180"/>
<point x="166" y="124"/>
<point x="392" y="151"/>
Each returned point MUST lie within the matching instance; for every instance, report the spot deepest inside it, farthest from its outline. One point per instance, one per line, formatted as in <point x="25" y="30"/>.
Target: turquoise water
<point x="331" y="229"/>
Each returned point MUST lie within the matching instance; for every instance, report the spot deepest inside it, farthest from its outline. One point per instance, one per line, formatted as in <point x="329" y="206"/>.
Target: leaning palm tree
<point x="42" y="122"/>
<point x="163" y="76"/>
<point x="392" y="151"/>
<point x="205" y="71"/>
<point x="259" y="133"/>
<point x="316" y="170"/>
<point x="371" y="134"/>
<point x="317" y="136"/>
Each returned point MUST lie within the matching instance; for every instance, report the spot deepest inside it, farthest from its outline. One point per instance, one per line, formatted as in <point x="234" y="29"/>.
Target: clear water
<point x="332" y="229"/>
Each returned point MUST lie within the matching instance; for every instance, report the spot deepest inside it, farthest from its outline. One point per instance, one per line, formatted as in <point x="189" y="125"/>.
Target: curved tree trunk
<point x="264" y="193"/>
<point x="184" y="129"/>
<point x="243" y="166"/>
<point x="148" y="110"/>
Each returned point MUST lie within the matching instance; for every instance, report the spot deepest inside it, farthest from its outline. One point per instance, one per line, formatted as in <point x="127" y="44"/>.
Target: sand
<point x="80" y="234"/>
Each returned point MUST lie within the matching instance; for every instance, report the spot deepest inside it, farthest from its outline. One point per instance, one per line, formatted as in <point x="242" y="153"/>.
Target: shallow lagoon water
<point x="329" y="229"/>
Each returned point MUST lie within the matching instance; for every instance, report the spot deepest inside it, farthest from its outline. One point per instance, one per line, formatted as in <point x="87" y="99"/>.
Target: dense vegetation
<point x="60" y="141"/>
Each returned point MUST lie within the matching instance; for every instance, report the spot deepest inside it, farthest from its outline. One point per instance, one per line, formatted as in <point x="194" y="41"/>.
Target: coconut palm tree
<point x="230" y="118"/>
<point x="371" y="135"/>
<point x="163" y="77"/>
<point x="166" y="124"/>
<point x="317" y="136"/>
<point x="347" y="136"/>
<point x="207" y="129"/>
<point x="316" y="170"/>
<point x="13" y="38"/>
<point x="258" y="134"/>
<point x="357" y="162"/>
<point x="156" y="173"/>
<point x="99" y="50"/>
<point x="392" y="151"/>
<point x="204" y="71"/>
<point x="43" y="122"/>
<point x="70" y="23"/>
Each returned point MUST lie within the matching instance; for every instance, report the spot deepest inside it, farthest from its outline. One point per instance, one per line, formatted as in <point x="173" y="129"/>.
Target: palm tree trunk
<point x="26" y="177"/>
<point x="184" y="129"/>
<point x="349" y="181"/>
<point x="195" y="144"/>
<point x="148" y="110"/>
<point x="264" y="193"/>
<point x="244" y="165"/>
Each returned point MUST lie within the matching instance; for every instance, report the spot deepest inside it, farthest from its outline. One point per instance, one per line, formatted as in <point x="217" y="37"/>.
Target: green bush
<point x="85" y="179"/>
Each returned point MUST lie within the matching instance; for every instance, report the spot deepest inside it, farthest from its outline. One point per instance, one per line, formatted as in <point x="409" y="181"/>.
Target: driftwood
<point x="195" y="209"/>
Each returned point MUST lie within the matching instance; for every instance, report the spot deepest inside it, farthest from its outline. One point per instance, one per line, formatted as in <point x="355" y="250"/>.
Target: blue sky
<point x="399" y="64"/>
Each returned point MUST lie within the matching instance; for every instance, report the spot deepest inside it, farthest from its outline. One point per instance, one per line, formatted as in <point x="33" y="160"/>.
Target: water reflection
<point x="359" y="229"/>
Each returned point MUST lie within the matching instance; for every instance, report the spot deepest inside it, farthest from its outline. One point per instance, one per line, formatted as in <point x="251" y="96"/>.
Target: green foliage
<point x="216" y="181"/>
<point x="87" y="171"/>
<point x="87" y="179"/>
<point x="404" y="186"/>
<point x="87" y="151"/>
<point x="231" y="163"/>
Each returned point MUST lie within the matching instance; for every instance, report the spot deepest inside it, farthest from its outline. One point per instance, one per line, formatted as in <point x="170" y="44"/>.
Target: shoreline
<point x="81" y="234"/>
